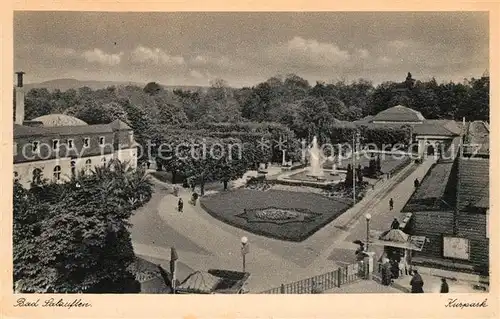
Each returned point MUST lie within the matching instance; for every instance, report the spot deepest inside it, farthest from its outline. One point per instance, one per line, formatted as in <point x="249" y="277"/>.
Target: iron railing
<point x="318" y="284"/>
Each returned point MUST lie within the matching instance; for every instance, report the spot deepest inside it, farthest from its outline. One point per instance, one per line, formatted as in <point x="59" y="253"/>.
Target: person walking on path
<point x="444" y="286"/>
<point x="391" y="204"/>
<point x="416" y="183"/>
<point x="416" y="283"/>
<point x="180" y="205"/>
<point x="395" y="224"/>
<point x="194" y="198"/>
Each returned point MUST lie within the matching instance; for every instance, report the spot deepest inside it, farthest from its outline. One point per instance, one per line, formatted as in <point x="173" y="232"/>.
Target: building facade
<point x="430" y="136"/>
<point x="451" y="209"/>
<point x="56" y="147"/>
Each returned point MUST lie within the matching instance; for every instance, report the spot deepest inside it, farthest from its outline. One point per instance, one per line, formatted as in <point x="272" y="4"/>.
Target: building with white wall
<point x="56" y="147"/>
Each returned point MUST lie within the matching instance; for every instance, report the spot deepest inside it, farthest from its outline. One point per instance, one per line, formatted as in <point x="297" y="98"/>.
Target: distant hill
<point x="66" y="84"/>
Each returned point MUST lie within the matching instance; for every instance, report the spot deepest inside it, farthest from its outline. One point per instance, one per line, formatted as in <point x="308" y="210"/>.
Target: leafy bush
<point x="73" y="237"/>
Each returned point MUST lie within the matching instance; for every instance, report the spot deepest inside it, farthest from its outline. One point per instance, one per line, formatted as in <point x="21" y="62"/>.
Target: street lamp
<point x="244" y="250"/>
<point x="356" y="138"/>
<point x="368" y="217"/>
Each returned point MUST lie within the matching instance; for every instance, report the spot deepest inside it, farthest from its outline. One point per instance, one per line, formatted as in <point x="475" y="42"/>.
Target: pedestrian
<point x="195" y="198"/>
<point x="416" y="282"/>
<point x="395" y="224"/>
<point x="394" y="269"/>
<point x="148" y="163"/>
<point x="391" y="204"/>
<point x="360" y="252"/>
<point x="386" y="272"/>
<point x="444" y="286"/>
<point x="180" y="205"/>
<point x="176" y="191"/>
<point x="416" y="183"/>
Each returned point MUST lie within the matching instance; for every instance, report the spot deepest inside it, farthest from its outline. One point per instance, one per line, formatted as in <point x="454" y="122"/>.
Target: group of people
<point x="417" y="284"/>
<point x="180" y="202"/>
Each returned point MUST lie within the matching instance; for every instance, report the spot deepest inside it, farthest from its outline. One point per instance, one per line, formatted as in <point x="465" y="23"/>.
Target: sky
<point x="247" y="48"/>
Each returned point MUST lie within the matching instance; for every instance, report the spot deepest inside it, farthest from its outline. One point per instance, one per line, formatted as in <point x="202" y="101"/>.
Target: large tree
<point x="73" y="237"/>
<point x="96" y="113"/>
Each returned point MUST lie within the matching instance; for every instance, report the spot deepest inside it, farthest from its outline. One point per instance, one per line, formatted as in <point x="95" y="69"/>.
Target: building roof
<point x="55" y="120"/>
<point x="448" y="185"/>
<point x="395" y="235"/>
<point x="438" y="127"/>
<point x="22" y="131"/>
<point x="149" y="276"/>
<point x="478" y="138"/>
<point x="118" y="125"/>
<point x="398" y="113"/>
<point x="60" y="124"/>
<point x="436" y="190"/>
<point x="473" y="182"/>
<point x="199" y="282"/>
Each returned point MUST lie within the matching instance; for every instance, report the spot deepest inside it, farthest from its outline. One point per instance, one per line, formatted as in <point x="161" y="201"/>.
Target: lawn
<point x="229" y="207"/>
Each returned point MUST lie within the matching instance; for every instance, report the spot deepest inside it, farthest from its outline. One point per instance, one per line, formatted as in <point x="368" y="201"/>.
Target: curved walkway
<point x="271" y="262"/>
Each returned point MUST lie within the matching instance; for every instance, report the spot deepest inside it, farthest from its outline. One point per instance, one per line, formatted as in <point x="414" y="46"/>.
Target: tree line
<point x="290" y="101"/>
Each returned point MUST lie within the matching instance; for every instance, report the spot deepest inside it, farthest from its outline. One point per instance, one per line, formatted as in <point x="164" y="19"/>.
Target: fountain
<point x="314" y="175"/>
<point x="316" y="161"/>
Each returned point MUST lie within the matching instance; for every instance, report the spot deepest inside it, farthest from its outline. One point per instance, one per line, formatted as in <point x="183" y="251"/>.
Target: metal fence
<point x="320" y="283"/>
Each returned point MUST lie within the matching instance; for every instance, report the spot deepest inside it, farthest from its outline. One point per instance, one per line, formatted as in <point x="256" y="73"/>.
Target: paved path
<point x="204" y="242"/>
<point x="363" y="287"/>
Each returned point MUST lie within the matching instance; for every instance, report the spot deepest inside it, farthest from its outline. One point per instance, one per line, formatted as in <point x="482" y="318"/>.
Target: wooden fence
<point x="320" y="283"/>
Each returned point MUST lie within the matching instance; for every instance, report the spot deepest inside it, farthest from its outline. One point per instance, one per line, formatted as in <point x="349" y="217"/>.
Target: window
<point x="55" y="145"/>
<point x="34" y="146"/>
<point x="457" y="248"/>
<point x="57" y="173"/>
<point x="37" y="176"/>
<point x="73" y="168"/>
<point x="101" y="141"/>
<point x="88" y="166"/>
<point x="86" y="142"/>
<point x="70" y="144"/>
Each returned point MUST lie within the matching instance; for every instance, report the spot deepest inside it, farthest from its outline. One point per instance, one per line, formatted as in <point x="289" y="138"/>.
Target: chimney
<point x="19" y="99"/>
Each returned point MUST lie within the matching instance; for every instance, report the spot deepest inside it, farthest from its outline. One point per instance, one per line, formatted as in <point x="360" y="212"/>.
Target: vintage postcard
<point x="161" y="155"/>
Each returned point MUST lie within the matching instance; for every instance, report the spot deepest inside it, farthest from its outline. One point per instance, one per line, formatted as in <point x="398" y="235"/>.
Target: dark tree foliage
<point x="152" y="88"/>
<point x="303" y="110"/>
<point x="73" y="237"/>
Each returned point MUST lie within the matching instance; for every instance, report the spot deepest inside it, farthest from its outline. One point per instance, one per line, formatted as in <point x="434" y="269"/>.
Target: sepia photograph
<point x="250" y="153"/>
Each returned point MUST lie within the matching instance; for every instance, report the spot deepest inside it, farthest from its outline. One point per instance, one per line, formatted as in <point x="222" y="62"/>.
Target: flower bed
<point x="311" y="212"/>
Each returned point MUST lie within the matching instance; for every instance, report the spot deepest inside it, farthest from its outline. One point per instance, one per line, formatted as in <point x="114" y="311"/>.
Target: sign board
<point x="454" y="247"/>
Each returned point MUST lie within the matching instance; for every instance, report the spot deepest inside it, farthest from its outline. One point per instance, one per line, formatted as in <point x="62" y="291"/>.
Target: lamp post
<point x="368" y="217"/>
<point x="355" y="142"/>
<point x="244" y="250"/>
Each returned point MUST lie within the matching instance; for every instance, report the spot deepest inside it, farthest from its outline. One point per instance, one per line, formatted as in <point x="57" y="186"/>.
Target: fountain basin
<point x="306" y="176"/>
